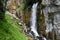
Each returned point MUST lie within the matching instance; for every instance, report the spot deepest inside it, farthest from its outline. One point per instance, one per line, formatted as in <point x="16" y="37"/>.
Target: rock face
<point x="48" y="17"/>
<point x="13" y="6"/>
<point x="53" y="9"/>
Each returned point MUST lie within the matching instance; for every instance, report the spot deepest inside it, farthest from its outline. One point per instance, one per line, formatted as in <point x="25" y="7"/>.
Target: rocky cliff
<point x="48" y="16"/>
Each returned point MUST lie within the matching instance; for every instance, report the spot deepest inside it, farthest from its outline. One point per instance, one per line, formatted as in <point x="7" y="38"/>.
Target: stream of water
<point x="33" y="19"/>
<point x="34" y="22"/>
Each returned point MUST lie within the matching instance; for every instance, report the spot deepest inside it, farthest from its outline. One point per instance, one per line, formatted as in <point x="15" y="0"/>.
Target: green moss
<point x="10" y="30"/>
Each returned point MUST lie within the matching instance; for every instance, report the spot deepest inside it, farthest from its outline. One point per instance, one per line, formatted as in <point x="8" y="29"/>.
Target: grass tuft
<point x="10" y="30"/>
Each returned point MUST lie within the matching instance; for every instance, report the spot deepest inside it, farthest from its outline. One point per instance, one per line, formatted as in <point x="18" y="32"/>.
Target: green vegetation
<point x="21" y="8"/>
<point x="10" y="30"/>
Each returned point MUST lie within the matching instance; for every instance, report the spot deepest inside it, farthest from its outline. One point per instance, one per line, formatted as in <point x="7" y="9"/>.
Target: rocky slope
<point x="48" y="16"/>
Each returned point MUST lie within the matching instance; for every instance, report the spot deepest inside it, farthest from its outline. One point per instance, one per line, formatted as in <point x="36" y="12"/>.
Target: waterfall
<point x="33" y="19"/>
<point x="33" y="23"/>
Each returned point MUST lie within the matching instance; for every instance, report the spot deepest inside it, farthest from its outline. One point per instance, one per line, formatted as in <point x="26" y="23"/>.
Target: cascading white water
<point x="33" y="19"/>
